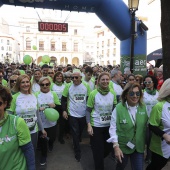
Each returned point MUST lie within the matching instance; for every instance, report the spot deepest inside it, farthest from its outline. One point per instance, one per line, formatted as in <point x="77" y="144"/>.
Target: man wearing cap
<point x="73" y="103"/>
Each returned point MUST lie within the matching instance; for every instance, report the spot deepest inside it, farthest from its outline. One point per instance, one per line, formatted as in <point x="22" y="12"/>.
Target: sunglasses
<point x="75" y="77"/>
<point x="50" y="73"/>
<point x="12" y="81"/>
<point x="68" y="77"/>
<point x="131" y="93"/>
<point x="148" y="82"/>
<point x="46" y="84"/>
<point x="1" y="103"/>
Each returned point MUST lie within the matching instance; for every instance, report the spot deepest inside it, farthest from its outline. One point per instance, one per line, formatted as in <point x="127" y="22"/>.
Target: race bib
<point x="79" y="98"/>
<point x="105" y="118"/>
<point x="30" y="119"/>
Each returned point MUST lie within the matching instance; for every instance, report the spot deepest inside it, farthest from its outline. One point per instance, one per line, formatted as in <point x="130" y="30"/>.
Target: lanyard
<point x="132" y="118"/>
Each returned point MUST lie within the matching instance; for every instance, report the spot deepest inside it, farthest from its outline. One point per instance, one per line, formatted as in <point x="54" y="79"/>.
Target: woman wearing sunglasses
<point x="150" y="96"/>
<point x="159" y="124"/>
<point x="24" y="105"/>
<point x="98" y="115"/>
<point x="11" y="83"/>
<point x="128" y="128"/>
<point x="16" y="150"/>
<point x="47" y="99"/>
<point x="58" y="87"/>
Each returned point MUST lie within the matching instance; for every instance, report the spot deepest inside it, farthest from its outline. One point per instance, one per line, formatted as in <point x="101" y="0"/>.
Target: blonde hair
<point x="164" y="92"/>
<point x="16" y="88"/>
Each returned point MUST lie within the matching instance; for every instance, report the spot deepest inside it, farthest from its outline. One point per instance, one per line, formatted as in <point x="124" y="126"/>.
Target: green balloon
<point x="46" y="59"/>
<point x="51" y="64"/>
<point x="22" y="72"/>
<point x="27" y="59"/>
<point x="51" y="114"/>
<point x="41" y="63"/>
<point x="34" y="47"/>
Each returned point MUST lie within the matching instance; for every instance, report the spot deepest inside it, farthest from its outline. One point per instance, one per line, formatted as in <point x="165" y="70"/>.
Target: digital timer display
<point x="52" y="27"/>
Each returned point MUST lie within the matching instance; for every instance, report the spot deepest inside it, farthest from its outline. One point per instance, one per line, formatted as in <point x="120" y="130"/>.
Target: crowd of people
<point x="125" y="114"/>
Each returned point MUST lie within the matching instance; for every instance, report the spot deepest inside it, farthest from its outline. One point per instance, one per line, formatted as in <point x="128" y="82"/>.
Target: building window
<point x="63" y="46"/>
<point x="7" y="42"/>
<point x="102" y="43"/>
<point x="114" y="41"/>
<point x="41" y="45"/>
<point x="75" y="31"/>
<point x="75" y="46"/>
<point x="97" y="44"/>
<point x="52" y="46"/>
<point x="28" y="44"/>
<point x="108" y="42"/>
<point x="2" y="41"/>
<point x="108" y="53"/>
<point x="114" y="51"/>
<point x="102" y="52"/>
<point x="27" y="28"/>
<point x="2" y="48"/>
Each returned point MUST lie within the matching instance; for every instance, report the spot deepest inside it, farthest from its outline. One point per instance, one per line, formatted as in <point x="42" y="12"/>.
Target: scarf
<point x="103" y="91"/>
<point x="59" y="84"/>
<point x="2" y="122"/>
<point x="151" y="92"/>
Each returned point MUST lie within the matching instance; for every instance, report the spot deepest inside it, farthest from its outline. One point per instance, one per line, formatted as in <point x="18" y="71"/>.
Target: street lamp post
<point x="133" y="7"/>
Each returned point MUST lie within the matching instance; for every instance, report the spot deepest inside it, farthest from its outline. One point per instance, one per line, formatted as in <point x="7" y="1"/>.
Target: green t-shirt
<point x="14" y="133"/>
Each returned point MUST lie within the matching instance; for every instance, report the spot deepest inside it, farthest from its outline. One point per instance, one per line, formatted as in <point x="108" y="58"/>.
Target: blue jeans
<point x="136" y="159"/>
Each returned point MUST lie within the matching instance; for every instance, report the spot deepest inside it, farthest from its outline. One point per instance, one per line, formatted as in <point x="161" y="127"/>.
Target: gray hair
<point x="44" y="78"/>
<point x="67" y="74"/>
<point x="114" y="72"/>
<point x="165" y="90"/>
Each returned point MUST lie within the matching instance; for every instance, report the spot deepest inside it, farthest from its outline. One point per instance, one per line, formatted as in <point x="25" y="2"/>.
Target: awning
<point x="155" y="55"/>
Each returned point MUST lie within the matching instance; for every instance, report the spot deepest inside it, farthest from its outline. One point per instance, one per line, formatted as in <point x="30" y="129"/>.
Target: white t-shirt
<point x="43" y="100"/>
<point x="150" y="101"/>
<point x="25" y="106"/>
<point x="58" y="90"/>
<point x="77" y="95"/>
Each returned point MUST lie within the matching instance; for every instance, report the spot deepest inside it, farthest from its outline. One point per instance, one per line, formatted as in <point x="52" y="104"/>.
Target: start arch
<point x="114" y="13"/>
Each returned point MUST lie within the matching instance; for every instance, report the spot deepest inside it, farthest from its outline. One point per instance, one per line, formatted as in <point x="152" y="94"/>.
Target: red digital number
<point x="64" y="27"/>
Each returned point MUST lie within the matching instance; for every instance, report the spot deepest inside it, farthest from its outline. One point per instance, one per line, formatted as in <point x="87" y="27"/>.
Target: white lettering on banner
<point x="79" y="7"/>
<point x="140" y="62"/>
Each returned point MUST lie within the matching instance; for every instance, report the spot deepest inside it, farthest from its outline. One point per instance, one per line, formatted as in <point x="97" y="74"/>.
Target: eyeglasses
<point x="12" y="81"/>
<point x="68" y="77"/>
<point x="50" y="73"/>
<point x="132" y="93"/>
<point x="76" y="77"/>
<point x="148" y="82"/>
<point x="1" y="103"/>
<point x="46" y="84"/>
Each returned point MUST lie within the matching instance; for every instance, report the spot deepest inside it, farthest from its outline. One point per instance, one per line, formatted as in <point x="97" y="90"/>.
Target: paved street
<point x="62" y="158"/>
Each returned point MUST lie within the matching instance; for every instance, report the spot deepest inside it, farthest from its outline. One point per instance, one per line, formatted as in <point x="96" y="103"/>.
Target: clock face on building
<point x="52" y="27"/>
